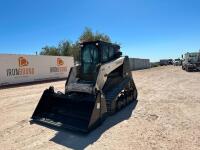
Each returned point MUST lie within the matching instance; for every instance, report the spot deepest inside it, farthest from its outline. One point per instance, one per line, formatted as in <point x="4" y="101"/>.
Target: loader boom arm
<point x="105" y="70"/>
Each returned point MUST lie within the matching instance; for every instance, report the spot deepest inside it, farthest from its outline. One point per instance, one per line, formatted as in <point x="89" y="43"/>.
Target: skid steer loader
<point x="100" y="86"/>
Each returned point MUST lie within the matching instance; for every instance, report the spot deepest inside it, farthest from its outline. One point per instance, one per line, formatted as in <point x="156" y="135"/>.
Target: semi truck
<point x="191" y="61"/>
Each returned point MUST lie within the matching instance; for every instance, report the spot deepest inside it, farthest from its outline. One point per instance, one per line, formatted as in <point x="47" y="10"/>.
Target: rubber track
<point x="111" y="95"/>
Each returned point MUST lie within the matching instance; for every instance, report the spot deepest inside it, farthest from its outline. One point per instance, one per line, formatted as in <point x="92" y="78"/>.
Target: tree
<point x="102" y="37"/>
<point x="65" y="47"/>
<point x="50" y="51"/>
<point x="75" y="51"/>
<point x="88" y="35"/>
<point x="68" y="48"/>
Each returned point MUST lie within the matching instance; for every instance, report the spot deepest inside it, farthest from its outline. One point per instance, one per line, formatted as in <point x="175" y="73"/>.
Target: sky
<point x="151" y="29"/>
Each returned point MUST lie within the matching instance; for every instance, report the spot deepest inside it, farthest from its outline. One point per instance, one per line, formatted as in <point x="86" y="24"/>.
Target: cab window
<point x="111" y="52"/>
<point x="105" y="53"/>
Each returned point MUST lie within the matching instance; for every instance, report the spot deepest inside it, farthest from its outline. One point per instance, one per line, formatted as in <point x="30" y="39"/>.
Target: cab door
<point x="90" y="59"/>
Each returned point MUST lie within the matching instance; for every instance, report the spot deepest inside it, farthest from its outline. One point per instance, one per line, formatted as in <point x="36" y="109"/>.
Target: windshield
<point x="90" y="54"/>
<point x="89" y="58"/>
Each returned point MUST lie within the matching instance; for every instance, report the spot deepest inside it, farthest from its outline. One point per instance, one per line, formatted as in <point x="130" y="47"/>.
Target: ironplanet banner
<point x="16" y="69"/>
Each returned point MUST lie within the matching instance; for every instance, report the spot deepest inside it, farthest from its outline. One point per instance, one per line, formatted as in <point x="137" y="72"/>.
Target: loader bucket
<point x="75" y="111"/>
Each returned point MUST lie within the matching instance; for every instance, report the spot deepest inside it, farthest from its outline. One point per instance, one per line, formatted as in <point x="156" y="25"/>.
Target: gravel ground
<point x="166" y="116"/>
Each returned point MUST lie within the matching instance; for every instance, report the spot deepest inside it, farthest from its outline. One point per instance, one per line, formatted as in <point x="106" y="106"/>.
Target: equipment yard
<point x="167" y="116"/>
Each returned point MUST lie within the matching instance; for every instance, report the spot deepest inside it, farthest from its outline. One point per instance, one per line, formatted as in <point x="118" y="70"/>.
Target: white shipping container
<point x="16" y="69"/>
<point x="137" y="63"/>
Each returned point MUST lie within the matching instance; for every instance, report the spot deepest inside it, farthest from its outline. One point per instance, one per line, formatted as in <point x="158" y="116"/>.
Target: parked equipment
<point x="191" y="61"/>
<point x="164" y="62"/>
<point x="100" y="86"/>
<point x="177" y="62"/>
<point x="170" y="61"/>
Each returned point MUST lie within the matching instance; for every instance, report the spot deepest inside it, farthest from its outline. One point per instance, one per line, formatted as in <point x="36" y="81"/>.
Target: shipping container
<point x="137" y="63"/>
<point x="16" y="69"/>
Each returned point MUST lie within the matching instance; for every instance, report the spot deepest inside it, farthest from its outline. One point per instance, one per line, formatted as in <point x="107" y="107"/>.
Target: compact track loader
<point x="100" y="86"/>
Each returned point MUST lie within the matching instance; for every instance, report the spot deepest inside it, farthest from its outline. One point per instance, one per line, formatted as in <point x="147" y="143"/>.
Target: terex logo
<point x="24" y="70"/>
<point x="23" y="62"/>
<point x="60" y="66"/>
<point x="60" y="62"/>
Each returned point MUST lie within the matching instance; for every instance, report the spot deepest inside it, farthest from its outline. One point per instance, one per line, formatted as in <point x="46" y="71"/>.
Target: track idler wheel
<point x="122" y="101"/>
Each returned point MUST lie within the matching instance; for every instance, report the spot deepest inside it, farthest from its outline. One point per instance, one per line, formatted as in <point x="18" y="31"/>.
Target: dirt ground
<point x="166" y="116"/>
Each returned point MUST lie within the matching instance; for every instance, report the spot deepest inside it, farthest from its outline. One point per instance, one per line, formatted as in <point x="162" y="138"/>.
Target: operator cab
<point x="93" y="54"/>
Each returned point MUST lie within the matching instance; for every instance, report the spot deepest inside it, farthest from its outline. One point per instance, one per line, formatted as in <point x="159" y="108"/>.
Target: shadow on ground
<point x="80" y="141"/>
